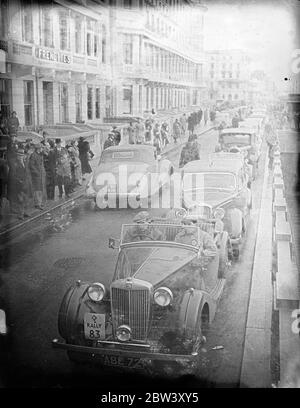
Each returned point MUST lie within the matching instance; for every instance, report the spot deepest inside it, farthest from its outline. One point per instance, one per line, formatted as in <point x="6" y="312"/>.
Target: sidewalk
<point x="11" y="221"/>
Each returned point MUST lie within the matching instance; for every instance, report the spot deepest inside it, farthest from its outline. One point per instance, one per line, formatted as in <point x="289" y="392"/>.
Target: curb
<point x="256" y="361"/>
<point x="286" y="285"/>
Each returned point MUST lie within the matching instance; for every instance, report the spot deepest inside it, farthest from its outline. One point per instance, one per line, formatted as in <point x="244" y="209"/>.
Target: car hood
<point x="212" y="198"/>
<point x="162" y="262"/>
<point x="115" y="169"/>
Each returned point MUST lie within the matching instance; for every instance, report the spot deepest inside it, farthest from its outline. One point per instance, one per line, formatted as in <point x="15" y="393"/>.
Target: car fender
<point x="236" y="222"/>
<point x="190" y="309"/>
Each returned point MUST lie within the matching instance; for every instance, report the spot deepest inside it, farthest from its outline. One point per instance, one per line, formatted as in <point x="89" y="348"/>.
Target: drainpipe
<point x="37" y="100"/>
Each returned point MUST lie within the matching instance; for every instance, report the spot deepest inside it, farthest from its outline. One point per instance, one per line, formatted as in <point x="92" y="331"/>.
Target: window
<point x="46" y="26"/>
<point x="97" y="103"/>
<point x="194" y="97"/>
<point x="127" y="99"/>
<point x="64" y="30"/>
<point x="27" y="30"/>
<point x="63" y="102"/>
<point x="89" y="102"/>
<point x="127" y="49"/>
<point x="28" y="103"/>
<point x="103" y="44"/>
<point x="92" y="38"/>
<point x="4" y="18"/>
<point x="78" y="102"/>
<point x="78" y="34"/>
<point x="5" y="97"/>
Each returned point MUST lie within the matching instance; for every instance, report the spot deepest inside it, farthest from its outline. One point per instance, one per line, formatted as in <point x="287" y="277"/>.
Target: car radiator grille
<point x="131" y="307"/>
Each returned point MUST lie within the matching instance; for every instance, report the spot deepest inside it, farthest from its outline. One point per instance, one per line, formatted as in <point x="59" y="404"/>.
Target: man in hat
<point x="143" y="231"/>
<point x="36" y="167"/>
<point x="117" y="135"/>
<point x="17" y="186"/>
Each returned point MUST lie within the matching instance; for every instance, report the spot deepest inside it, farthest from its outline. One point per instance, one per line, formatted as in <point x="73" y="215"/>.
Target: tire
<point x="223" y="256"/>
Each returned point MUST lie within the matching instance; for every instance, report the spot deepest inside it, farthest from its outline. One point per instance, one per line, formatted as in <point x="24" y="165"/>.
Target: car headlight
<point x="123" y="333"/>
<point x="163" y="296"/>
<point x="219" y="213"/>
<point x="96" y="292"/>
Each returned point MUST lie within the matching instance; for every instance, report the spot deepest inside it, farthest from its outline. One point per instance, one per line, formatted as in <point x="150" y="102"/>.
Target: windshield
<point x="157" y="262"/>
<point x="218" y="181"/>
<point x="236" y="139"/>
<point x="127" y="156"/>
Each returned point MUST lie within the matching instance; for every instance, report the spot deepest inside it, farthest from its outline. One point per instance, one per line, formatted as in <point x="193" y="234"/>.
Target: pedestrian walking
<point x="13" y="124"/>
<point x="17" y="187"/>
<point x="36" y="167"/>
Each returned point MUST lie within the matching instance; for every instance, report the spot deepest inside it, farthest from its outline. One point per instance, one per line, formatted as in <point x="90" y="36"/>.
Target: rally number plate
<point x="94" y="326"/>
<point x="126" y="362"/>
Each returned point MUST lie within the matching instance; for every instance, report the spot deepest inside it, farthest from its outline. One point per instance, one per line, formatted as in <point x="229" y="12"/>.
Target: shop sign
<point x="52" y="56"/>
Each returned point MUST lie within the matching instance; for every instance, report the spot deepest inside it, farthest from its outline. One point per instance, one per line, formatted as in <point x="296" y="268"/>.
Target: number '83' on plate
<point x="94" y="326"/>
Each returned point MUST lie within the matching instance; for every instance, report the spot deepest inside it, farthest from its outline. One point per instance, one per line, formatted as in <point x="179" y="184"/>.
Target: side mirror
<point x="113" y="243"/>
<point x="3" y="327"/>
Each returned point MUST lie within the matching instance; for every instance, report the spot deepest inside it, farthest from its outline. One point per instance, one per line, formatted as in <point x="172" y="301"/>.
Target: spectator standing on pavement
<point x="191" y="125"/>
<point x="85" y="154"/>
<point x="17" y="187"/>
<point x="13" y="124"/>
<point x="176" y="130"/>
<point x="131" y="134"/>
<point x="36" y="167"/>
<point x="156" y="138"/>
<point x="235" y="121"/>
<point x="164" y="131"/>
<point x="63" y="172"/>
<point x="205" y="116"/>
<point x="50" y="168"/>
<point x="75" y="164"/>
<point x="212" y="115"/>
<point x="110" y="141"/>
<point x="12" y="148"/>
<point x="183" y="123"/>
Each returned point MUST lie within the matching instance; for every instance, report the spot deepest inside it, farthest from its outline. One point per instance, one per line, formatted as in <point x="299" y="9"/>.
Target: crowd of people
<point x="159" y="133"/>
<point x="30" y="171"/>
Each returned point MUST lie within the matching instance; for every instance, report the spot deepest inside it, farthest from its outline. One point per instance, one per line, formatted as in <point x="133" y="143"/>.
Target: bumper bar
<point x="126" y="353"/>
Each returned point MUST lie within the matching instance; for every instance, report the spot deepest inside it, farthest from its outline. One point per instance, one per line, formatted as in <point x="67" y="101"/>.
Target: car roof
<point x="237" y="131"/>
<point x="130" y="147"/>
<point x="215" y="165"/>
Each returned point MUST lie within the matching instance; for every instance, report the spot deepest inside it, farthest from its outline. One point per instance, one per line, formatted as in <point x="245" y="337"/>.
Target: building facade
<point x="158" y="56"/>
<point x="57" y="62"/>
<point x="228" y="75"/>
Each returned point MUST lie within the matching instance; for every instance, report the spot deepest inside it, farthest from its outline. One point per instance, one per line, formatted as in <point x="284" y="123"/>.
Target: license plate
<point x="94" y="326"/>
<point x="126" y="362"/>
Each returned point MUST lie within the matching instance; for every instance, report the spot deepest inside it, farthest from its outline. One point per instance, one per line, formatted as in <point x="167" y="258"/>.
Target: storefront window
<point x="97" y="103"/>
<point x="28" y="102"/>
<point x="63" y="103"/>
<point x="127" y="99"/>
<point x="5" y="97"/>
<point x="92" y="38"/>
<point x="90" y="102"/>
<point x="26" y="10"/>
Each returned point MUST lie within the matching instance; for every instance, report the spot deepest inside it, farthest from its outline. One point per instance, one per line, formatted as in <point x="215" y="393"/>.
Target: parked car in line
<point x="219" y="189"/>
<point x="162" y="297"/>
<point x="128" y="171"/>
<point x="245" y="140"/>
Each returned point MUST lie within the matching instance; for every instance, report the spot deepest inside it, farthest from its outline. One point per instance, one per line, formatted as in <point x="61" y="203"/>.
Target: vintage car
<point x="128" y="172"/>
<point x="153" y="316"/>
<point x="253" y="123"/>
<point x="245" y="140"/>
<point x="218" y="189"/>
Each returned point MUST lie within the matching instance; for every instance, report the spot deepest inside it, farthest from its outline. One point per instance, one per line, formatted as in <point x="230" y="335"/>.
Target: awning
<point x="22" y="136"/>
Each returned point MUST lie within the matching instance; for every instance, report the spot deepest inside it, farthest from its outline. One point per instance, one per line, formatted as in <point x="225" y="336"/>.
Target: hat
<point x="142" y="216"/>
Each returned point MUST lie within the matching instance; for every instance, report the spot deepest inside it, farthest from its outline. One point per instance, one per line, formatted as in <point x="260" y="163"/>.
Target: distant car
<point x="128" y="171"/>
<point x="244" y="140"/>
<point x="218" y="189"/>
<point x="156" y="310"/>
